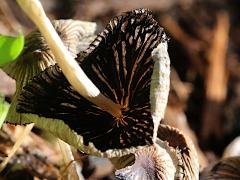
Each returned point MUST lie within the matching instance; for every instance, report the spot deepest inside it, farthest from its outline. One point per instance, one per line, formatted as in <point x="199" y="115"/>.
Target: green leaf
<point x="4" y="106"/>
<point x="10" y="48"/>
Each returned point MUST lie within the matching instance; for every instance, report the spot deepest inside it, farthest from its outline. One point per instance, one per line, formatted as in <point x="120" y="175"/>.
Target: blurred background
<point x="204" y="49"/>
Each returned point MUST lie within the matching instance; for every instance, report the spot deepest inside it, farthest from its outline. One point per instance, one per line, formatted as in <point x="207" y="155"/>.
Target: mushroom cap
<point x="172" y="157"/>
<point x="119" y="63"/>
<point x="151" y="162"/>
<point x="233" y="149"/>
<point x="188" y="164"/>
<point x="227" y="169"/>
<point x="37" y="56"/>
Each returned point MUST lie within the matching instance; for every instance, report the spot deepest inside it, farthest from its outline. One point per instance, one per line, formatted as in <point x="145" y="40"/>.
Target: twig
<point x="216" y="74"/>
<point x="216" y="79"/>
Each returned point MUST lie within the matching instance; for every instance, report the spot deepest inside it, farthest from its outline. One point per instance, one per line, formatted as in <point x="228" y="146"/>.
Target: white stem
<point x="72" y="71"/>
<point x="160" y="83"/>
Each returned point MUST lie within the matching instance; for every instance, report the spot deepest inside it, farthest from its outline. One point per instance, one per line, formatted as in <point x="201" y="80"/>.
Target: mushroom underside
<point x="119" y="63"/>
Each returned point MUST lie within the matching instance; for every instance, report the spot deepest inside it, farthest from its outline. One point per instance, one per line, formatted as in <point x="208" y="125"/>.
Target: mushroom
<point x="233" y="149"/>
<point x="37" y="56"/>
<point x="120" y="64"/>
<point x="173" y="156"/>
<point x="227" y="169"/>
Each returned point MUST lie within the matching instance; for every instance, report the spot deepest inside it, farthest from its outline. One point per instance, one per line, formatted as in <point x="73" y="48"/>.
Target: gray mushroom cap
<point x="172" y="157"/>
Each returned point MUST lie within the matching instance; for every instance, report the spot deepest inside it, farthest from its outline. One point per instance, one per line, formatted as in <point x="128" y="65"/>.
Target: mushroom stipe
<point x="120" y="64"/>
